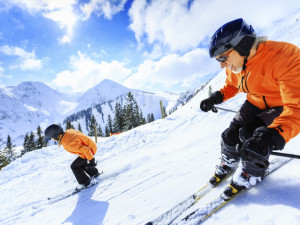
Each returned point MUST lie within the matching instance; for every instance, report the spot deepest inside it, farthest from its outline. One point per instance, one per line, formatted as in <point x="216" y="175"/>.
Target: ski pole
<point x="286" y="155"/>
<point x="215" y="109"/>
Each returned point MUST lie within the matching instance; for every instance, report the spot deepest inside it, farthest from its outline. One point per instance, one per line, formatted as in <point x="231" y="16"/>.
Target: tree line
<point x="31" y="142"/>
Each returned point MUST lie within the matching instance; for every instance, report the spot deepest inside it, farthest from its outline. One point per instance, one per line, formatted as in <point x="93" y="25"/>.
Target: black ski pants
<point x="248" y="115"/>
<point x="82" y="170"/>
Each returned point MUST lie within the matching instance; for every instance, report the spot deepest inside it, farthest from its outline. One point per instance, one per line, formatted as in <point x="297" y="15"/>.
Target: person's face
<point x="232" y="60"/>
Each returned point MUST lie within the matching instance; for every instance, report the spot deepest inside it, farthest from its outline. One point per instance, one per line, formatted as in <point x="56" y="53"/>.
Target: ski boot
<point x="83" y="186"/>
<point x="239" y="182"/>
<point x="221" y="172"/>
<point x="96" y="175"/>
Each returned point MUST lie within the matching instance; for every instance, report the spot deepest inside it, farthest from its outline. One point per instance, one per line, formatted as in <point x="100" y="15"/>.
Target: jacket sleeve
<point x="230" y="89"/>
<point x="93" y="147"/>
<point x="76" y="147"/>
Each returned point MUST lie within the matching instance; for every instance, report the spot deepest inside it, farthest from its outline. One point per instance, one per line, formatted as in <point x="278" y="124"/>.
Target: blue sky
<point x="151" y="45"/>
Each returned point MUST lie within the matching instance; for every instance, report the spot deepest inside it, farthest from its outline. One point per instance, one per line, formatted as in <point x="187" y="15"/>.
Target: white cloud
<point x="1" y="70"/>
<point x="28" y="60"/>
<point x="175" y="25"/>
<point x="64" y="39"/>
<point x="107" y="8"/>
<point x="62" y="12"/>
<point x="173" y="70"/>
<point x="86" y="73"/>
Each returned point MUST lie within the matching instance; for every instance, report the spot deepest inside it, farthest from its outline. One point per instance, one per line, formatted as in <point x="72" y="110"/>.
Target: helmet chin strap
<point x="245" y="61"/>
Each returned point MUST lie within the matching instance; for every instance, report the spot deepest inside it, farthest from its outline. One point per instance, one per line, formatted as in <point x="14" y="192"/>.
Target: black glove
<point x="208" y="103"/>
<point x="92" y="163"/>
<point x="260" y="146"/>
<point x="247" y="129"/>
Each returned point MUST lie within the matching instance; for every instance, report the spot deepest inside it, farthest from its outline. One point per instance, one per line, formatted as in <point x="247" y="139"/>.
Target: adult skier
<point x="269" y="72"/>
<point x="75" y="142"/>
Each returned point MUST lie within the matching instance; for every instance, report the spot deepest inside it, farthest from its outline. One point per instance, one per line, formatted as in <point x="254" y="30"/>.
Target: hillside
<point x="146" y="171"/>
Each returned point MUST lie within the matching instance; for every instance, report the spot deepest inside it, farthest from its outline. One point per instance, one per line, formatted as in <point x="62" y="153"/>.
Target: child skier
<point x="75" y="142"/>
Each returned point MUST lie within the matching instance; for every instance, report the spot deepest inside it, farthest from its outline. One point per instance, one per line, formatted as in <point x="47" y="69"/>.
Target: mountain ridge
<point x="32" y="103"/>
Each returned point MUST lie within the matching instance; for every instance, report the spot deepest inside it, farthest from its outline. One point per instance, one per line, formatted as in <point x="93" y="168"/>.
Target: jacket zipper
<point x="246" y="82"/>
<point x="247" y="89"/>
<point x="264" y="98"/>
<point x="242" y="83"/>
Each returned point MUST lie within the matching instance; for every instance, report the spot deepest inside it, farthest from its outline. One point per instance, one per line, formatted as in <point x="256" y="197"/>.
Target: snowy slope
<point x="146" y="171"/>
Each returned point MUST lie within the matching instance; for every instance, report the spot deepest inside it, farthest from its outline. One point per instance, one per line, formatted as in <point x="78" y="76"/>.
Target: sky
<point x="150" y="45"/>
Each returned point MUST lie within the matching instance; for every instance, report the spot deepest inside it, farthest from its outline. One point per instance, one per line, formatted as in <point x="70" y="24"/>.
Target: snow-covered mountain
<point x="30" y="104"/>
<point x="101" y="100"/>
<point x="105" y="91"/>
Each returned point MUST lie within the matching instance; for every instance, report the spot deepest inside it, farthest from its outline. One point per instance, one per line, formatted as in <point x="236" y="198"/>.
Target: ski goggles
<point x="223" y="58"/>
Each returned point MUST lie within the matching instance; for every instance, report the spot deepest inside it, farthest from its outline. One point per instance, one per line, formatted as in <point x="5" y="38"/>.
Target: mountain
<point x="147" y="171"/>
<point x="109" y="93"/>
<point x="106" y="90"/>
<point x="30" y="104"/>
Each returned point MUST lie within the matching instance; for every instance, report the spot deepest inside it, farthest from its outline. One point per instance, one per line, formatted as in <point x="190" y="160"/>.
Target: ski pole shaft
<point x="286" y="155"/>
<point x="215" y="109"/>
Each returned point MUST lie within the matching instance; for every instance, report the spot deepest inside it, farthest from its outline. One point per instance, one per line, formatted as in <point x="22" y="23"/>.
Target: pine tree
<point x="8" y="150"/>
<point x="109" y="124"/>
<point x="129" y="120"/>
<point x="40" y="141"/>
<point x="150" y="118"/>
<point x="92" y="125"/>
<point x="69" y="124"/>
<point x="25" y="145"/>
<point x="4" y="161"/>
<point x="31" y="142"/>
<point x="79" y="127"/>
<point x="118" y="123"/>
<point x="142" y="119"/>
<point x="107" y="133"/>
<point x="99" y="131"/>
<point x="8" y="143"/>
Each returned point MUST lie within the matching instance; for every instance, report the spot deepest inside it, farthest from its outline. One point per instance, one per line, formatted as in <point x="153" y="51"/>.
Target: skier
<point x="269" y="72"/>
<point x="84" y="166"/>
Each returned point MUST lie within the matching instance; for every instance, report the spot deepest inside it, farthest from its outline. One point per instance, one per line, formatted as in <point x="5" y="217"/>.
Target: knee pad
<point x="231" y="135"/>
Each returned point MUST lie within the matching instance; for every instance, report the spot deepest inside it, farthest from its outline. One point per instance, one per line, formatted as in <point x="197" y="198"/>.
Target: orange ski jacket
<point x="271" y="78"/>
<point x="78" y="143"/>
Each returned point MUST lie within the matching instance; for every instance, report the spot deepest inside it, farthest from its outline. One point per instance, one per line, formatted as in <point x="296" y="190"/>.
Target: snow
<point x="30" y="108"/>
<point x="147" y="170"/>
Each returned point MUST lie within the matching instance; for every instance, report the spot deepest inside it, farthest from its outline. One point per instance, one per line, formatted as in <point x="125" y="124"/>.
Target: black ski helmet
<point x="53" y="131"/>
<point x="236" y="34"/>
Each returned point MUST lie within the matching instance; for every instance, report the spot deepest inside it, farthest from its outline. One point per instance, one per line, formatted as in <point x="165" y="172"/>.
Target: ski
<point x="68" y="194"/>
<point x="203" y="212"/>
<point x="168" y="217"/>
